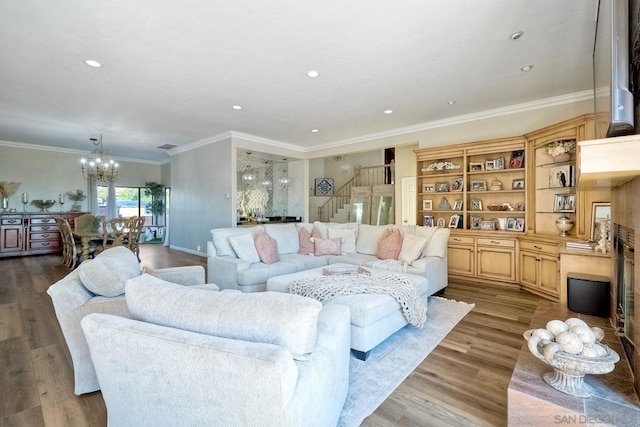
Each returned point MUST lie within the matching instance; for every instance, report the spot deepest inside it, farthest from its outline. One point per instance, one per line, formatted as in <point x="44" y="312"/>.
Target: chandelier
<point x="99" y="167"/>
<point x="248" y="177"/>
<point x="284" y="180"/>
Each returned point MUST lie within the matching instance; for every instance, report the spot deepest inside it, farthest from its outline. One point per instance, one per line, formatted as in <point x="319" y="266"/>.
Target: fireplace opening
<point x="625" y="282"/>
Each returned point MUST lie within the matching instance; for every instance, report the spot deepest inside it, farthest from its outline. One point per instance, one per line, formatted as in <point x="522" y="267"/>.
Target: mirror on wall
<point x="262" y="183"/>
<point x="382" y="210"/>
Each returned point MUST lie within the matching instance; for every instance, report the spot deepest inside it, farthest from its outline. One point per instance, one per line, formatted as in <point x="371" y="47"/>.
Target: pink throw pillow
<point x="306" y="244"/>
<point x="315" y="233"/>
<point x="328" y="246"/>
<point x="390" y="245"/>
<point x="267" y="248"/>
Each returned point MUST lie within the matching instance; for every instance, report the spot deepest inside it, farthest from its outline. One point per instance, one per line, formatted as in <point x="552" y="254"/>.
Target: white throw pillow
<point x="245" y="248"/>
<point x="348" y="237"/>
<point x="220" y="238"/>
<point x="369" y="237"/>
<point x="411" y="247"/>
<point x="278" y="318"/>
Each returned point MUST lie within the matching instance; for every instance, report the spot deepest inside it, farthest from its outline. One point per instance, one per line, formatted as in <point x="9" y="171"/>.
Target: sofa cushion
<point x="220" y="238"/>
<point x="306" y="246"/>
<point x="368" y="238"/>
<point x="390" y="245"/>
<point x="259" y="272"/>
<point x="244" y="246"/>
<point x="107" y="273"/>
<point x="411" y="247"/>
<point x="276" y="318"/>
<point x="348" y="236"/>
<point x="437" y="244"/>
<point x="286" y="235"/>
<point x="304" y="262"/>
<point x="324" y="226"/>
<point x="267" y="248"/>
<point x="328" y="246"/>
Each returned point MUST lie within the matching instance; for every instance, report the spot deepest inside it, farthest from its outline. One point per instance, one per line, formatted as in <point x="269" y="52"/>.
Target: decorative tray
<point x="503" y="207"/>
<point x="329" y="271"/>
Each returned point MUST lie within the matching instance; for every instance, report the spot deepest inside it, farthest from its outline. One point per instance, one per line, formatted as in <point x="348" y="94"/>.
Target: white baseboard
<point x="189" y="251"/>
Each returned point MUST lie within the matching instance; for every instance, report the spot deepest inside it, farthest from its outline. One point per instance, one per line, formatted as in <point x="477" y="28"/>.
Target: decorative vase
<point x="564" y="224"/>
<point x="564" y="157"/>
<point x="75" y="207"/>
<point x="5" y="203"/>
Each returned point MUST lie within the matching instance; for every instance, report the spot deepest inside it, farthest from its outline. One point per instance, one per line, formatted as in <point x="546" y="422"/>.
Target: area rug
<point x="373" y="380"/>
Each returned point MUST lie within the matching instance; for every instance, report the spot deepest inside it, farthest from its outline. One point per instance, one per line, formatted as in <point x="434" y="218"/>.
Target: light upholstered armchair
<point x="97" y="286"/>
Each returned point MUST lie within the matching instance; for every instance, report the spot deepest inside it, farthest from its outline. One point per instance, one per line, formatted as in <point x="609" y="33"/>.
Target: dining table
<point x="86" y="236"/>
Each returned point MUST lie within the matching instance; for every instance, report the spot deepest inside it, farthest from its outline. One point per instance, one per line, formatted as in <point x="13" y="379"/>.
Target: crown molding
<point x="27" y="146"/>
<point x="466" y="118"/>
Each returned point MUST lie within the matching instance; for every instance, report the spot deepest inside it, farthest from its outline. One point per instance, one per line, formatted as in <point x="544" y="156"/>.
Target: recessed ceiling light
<point x="313" y="74"/>
<point x="315" y="130"/>
<point x="517" y="35"/>
<point x="237" y="107"/>
<point x="93" y="63"/>
<point x="388" y="111"/>
<point x="451" y="102"/>
<point x="527" y="68"/>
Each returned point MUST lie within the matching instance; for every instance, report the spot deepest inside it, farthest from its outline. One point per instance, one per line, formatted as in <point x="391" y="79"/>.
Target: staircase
<point x="338" y="207"/>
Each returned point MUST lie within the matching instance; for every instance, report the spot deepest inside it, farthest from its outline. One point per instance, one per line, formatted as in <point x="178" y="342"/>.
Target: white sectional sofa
<point x="233" y="268"/>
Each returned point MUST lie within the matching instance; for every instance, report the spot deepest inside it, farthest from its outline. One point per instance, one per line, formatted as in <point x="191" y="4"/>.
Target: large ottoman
<point x="374" y="317"/>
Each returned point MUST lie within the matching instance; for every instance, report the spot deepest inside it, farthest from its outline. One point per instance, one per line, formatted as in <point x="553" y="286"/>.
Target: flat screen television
<point x="613" y="97"/>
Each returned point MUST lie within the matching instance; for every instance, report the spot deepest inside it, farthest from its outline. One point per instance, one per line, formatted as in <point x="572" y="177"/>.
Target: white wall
<point x="45" y="174"/>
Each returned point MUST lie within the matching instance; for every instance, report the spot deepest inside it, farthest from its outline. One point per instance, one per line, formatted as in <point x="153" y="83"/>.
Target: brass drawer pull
<point x="537" y="247"/>
<point x="455" y="239"/>
<point x="495" y="243"/>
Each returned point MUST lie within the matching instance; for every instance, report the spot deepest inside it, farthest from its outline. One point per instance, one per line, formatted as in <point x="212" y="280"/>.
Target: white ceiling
<point x="172" y="70"/>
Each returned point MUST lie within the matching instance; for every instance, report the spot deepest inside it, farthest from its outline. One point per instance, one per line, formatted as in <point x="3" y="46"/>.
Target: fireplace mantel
<point x="609" y="162"/>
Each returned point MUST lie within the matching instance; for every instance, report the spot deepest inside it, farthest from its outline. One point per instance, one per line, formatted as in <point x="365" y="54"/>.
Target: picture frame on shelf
<point x="517" y="184"/>
<point x="478" y="185"/>
<point x="441" y="222"/>
<point x="427" y="205"/>
<point x="428" y="188"/>
<point x="519" y="224"/>
<point x="458" y="204"/>
<point x="564" y="203"/>
<point x="599" y="211"/>
<point x="561" y="176"/>
<point x="517" y="159"/>
<point x="427" y="221"/>
<point x="498" y="163"/>
<point x="457" y="184"/>
<point x="476" y="167"/>
<point x="476" y="205"/>
<point x="511" y="224"/>
<point x="488" y="225"/>
<point x="475" y="222"/>
<point x="489" y="165"/>
<point x="442" y="187"/>
<point x="455" y="221"/>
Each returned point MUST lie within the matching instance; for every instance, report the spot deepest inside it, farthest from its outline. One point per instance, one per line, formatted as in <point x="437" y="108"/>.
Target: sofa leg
<point x="361" y="355"/>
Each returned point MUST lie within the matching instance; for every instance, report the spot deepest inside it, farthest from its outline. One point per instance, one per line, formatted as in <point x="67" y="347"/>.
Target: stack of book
<point x="586" y="244"/>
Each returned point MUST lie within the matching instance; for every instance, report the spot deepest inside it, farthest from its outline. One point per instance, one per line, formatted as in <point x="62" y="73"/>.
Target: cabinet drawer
<point x="41" y="228"/>
<point x="45" y="236"/>
<point x="44" y="244"/>
<point x="539" y="247"/>
<point x="502" y="243"/>
<point x="460" y="240"/>
<point x="36" y="221"/>
<point x="11" y="221"/>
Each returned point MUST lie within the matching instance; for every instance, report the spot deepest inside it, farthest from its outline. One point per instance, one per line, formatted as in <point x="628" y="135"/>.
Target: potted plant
<point x="6" y="190"/>
<point x="156" y="192"/>
<point x="76" y="197"/>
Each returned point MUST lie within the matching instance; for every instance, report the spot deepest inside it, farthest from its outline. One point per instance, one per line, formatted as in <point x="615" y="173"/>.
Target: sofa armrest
<point x="435" y="270"/>
<point x="223" y="271"/>
<point x="188" y="275"/>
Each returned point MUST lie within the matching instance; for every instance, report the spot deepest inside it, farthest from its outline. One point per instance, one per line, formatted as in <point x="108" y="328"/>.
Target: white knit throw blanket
<point x="397" y="286"/>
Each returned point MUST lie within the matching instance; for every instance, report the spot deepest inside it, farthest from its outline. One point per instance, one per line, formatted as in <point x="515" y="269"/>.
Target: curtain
<point x="112" y="206"/>
<point x="92" y="191"/>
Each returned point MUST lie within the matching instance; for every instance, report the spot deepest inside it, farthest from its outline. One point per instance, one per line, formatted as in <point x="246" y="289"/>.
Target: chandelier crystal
<point x="248" y="177"/>
<point x="284" y="180"/>
<point x="99" y="167"/>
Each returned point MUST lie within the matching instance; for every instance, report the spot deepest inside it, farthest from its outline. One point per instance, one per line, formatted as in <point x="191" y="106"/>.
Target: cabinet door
<point x="494" y="263"/>
<point x="11" y="238"/>
<point x="461" y="260"/>
<point x="549" y="274"/>
<point x="529" y="269"/>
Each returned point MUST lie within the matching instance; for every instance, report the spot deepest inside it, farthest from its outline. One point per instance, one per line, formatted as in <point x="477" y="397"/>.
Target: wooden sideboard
<point x="31" y="233"/>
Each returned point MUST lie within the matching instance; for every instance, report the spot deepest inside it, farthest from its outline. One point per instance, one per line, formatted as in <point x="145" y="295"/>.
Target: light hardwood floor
<point x="462" y="382"/>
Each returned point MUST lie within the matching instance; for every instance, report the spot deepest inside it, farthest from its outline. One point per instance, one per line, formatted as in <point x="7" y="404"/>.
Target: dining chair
<point x="137" y="228"/>
<point x="71" y="250"/>
<point x="116" y="232"/>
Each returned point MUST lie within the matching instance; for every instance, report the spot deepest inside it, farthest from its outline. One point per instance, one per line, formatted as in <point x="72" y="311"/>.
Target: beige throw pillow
<point x="411" y="248"/>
